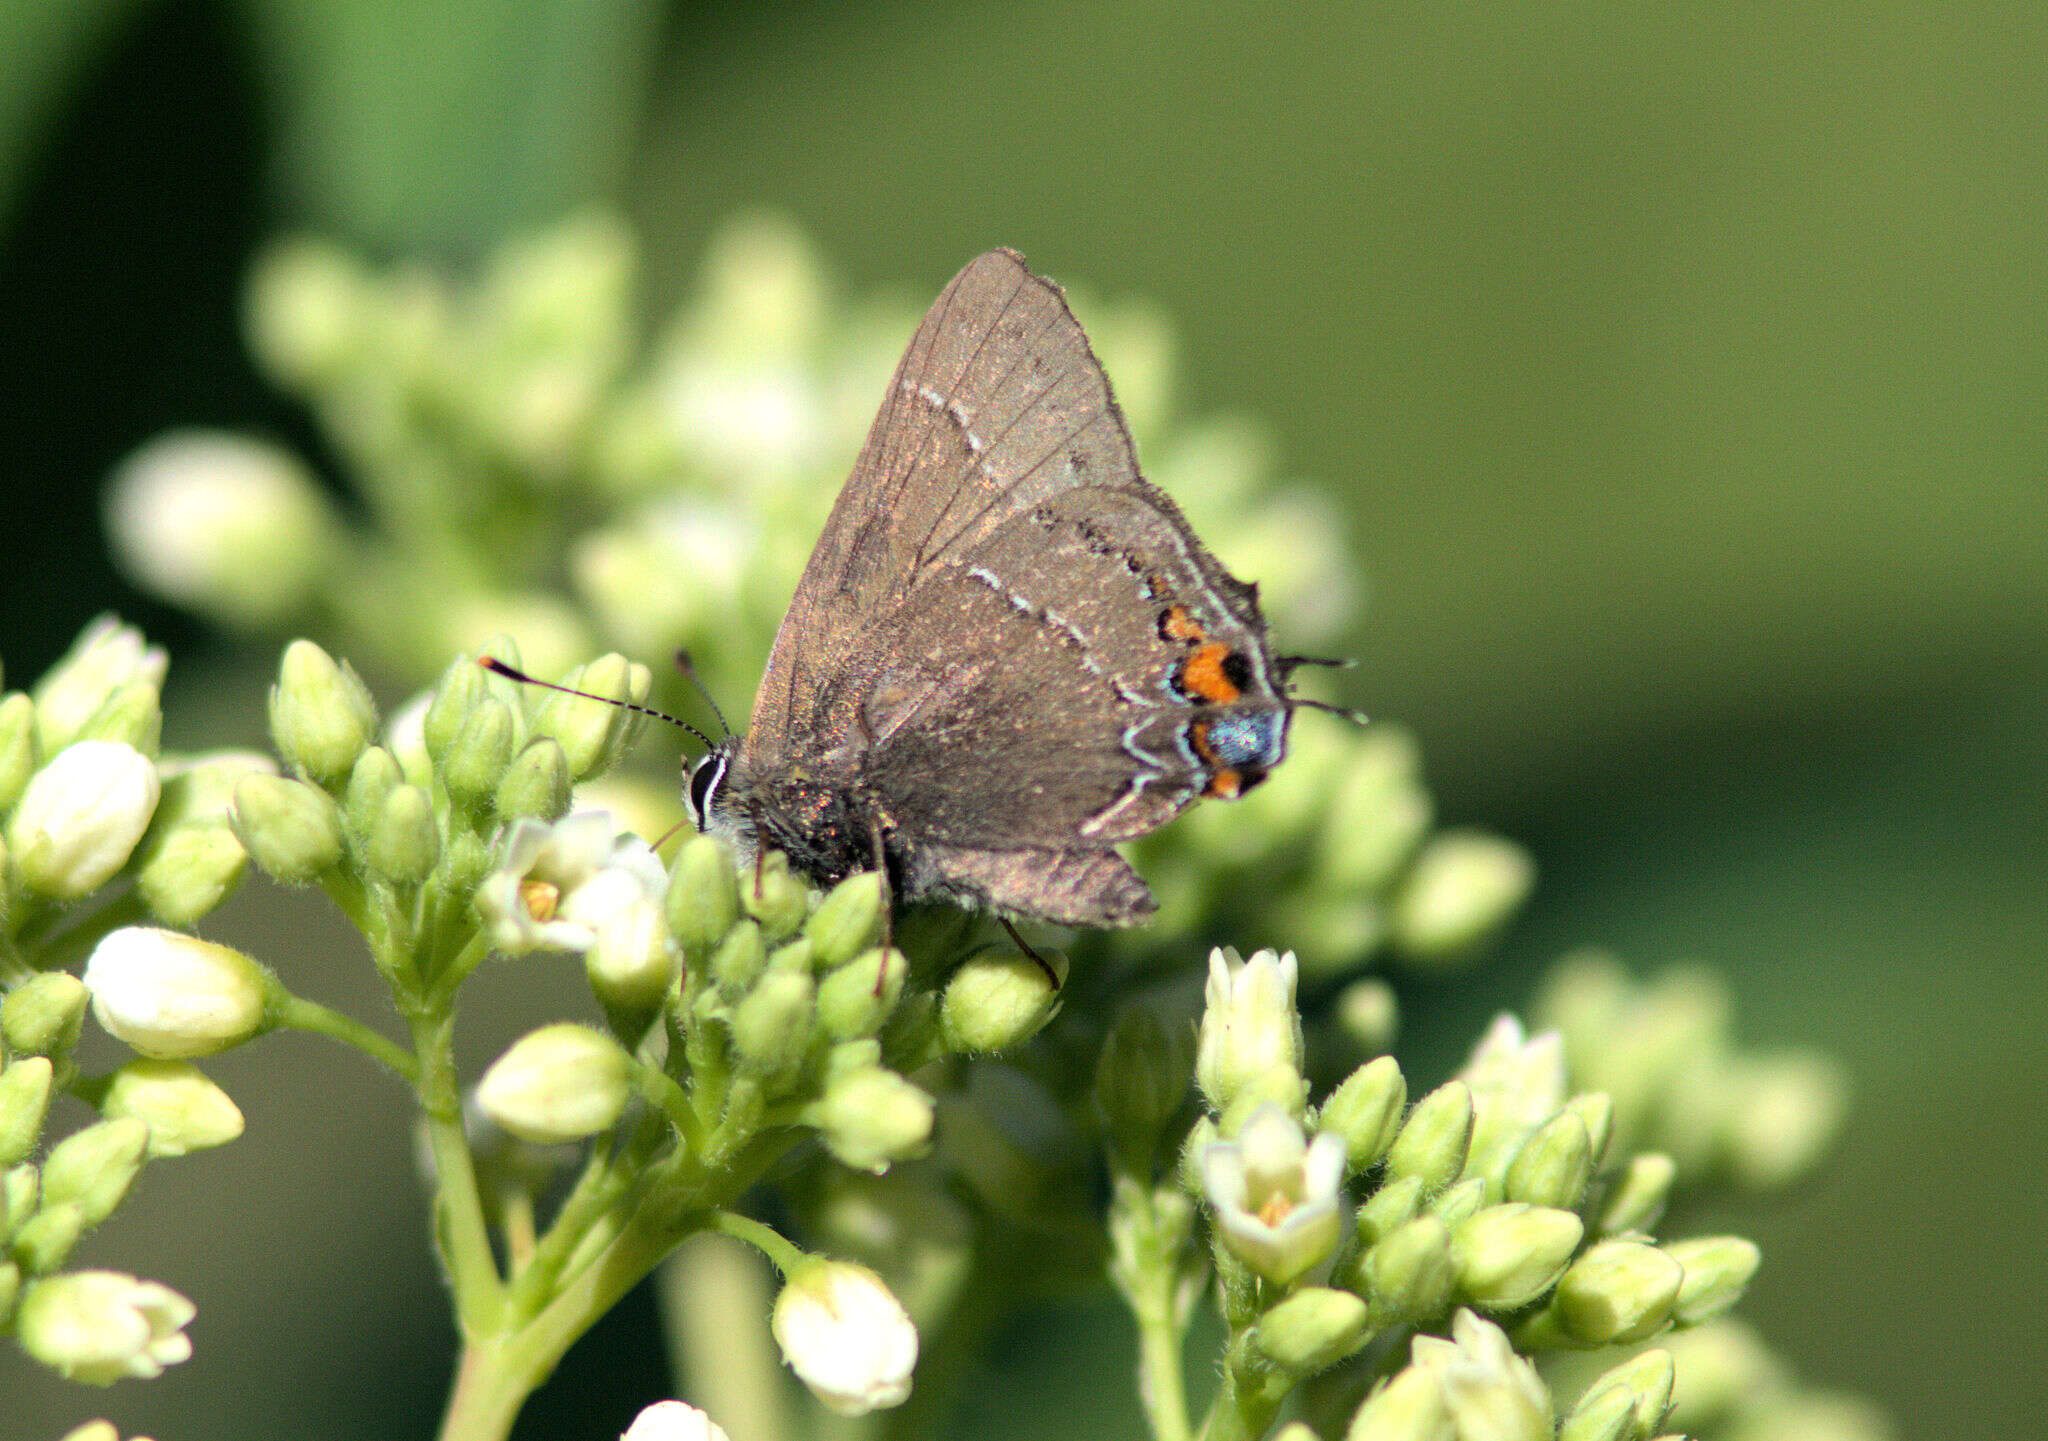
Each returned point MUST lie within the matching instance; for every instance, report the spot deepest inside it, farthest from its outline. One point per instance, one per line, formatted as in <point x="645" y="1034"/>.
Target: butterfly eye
<point x="705" y="780"/>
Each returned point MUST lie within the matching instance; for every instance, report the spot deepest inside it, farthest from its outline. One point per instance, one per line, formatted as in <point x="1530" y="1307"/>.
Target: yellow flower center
<point x="540" y="898"/>
<point x="1276" y="1208"/>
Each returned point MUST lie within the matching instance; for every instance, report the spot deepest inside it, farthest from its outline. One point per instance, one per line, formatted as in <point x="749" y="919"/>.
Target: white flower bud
<point x="559" y="1083"/>
<point x="1249" y="1025"/>
<point x="223" y="524"/>
<point x="81" y="816"/>
<point x="846" y="1336"/>
<point x="673" y="1421"/>
<point x="184" y="1110"/>
<point x="98" y="1326"/>
<point x="170" y="995"/>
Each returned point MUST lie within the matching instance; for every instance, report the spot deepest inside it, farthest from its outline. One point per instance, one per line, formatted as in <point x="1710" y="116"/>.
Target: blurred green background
<point x="1680" y="370"/>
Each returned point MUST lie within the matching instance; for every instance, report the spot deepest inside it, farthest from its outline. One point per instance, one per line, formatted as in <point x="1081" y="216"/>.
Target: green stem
<point x="303" y="1015"/>
<point x="783" y="1255"/>
<point x="1162" y="1388"/>
<point x="463" y="1233"/>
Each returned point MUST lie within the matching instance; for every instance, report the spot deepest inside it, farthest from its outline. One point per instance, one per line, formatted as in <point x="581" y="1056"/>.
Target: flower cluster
<point x="97" y="826"/>
<point x="1339" y="1229"/>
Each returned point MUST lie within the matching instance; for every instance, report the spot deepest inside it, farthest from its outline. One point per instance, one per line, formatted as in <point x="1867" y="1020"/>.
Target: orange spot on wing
<point x="1178" y="625"/>
<point x="1202" y="675"/>
<point x="1224" y="785"/>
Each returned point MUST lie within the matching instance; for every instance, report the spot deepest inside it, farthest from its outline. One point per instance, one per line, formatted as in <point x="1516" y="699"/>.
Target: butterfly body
<point x="1008" y="652"/>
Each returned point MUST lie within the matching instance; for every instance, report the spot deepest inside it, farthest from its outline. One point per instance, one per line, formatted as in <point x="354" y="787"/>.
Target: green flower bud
<point x="1409" y="1274"/>
<point x="1552" y="1168"/>
<point x="1461" y="890"/>
<point x="772" y="896"/>
<point x="998" y="999"/>
<point x="93" y="1431"/>
<point x="190" y="872"/>
<point x="797" y="955"/>
<point x="96" y="1327"/>
<point x="856" y="999"/>
<point x="475" y="764"/>
<point x="10" y="1289"/>
<point x="1202" y="1135"/>
<point x="870" y="1117"/>
<point x="1378" y="813"/>
<point x="1433" y="1142"/>
<point x="1249" y="1023"/>
<point x="593" y="733"/>
<point x="1618" y="1292"/>
<point x="291" y="829"/>
<point x="24" y="1101"/>
<point x="375" y="776"/>
<point x="21" y="1189"/>
<point x="405" y="842"/>
<point x="132" y="715"/>
<point x="1410" y="1407"/>
<point x="740" y="958"/>
<point x="1786" y="1113"/>
<point x="17" y="746"/>
<point x="1296" y="1431"/>
<point x="462" y="688"/>
<point x="1369" y="1015"/>
<point x="1508" y="1255"/>
<point x="1604" y="1413"/>
<point x="81" y="816"/>
<point x="1394" y="1204"/>
<point x="1518" y="1084"/>
<point x="536" y="783"/>
<point x="703" y="896"/>
<point x="560" y="1083"/>
<point x="304" y="313"/>
<point x="171" y="995"/>
<point x="106" y="656"/>
<point x="1646" y="1379"/>
<point x="93" y="1168"/>
<point x="1141" y="1082"/>
<point x="1311" y="1330"/>
<point x="771" y="1027"/>
<point x="42" y="1016"/>
<point x="1639" y="1194"/>
<point x="1595" y="1110"/>
<point x="46" y="1240"/>
<point x="1366" y="1111"/>
<point x="184" y="1110"/>
<point x="848" y="919"/>
<point x="321" y="714"/>
<point x="1460" y="1201"/>
<point x="1717" y="1272"/>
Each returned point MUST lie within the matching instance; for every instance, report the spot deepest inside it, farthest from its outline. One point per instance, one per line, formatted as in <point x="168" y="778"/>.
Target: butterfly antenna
<point x="1356" y="717"/>
<point x="1289" y="663"/>
<point x="497" y="667"/>
<point x="690" y="674"/>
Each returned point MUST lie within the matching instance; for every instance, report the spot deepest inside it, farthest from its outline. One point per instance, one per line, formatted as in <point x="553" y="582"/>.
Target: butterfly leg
<point x="1025" y="946"/>
<point x="881" y="858"/>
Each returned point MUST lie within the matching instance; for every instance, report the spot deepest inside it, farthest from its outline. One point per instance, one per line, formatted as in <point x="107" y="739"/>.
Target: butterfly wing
<point x="1000" y="599"/>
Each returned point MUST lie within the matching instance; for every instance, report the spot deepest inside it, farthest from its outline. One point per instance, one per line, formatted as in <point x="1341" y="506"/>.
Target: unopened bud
<point x="321" y="714"/>
<point x="80" y="817"/>
<point x="291" y="829"/>
<point x="1433" y="1141"/>
<point x="1366" y="1111"/>
<point x="42" y="1015"/>
<point x="560" y="1083"/>
<point x="997" y="1000"/>
<point x="847" y="919"/>
<point x="855" y="999"/>
<point x="703" y="895"/>
<point x="93" y="1168"/>
<point x="184" y="1110"/>
<point x="405" y="841"/>
<point x="536" y="783"/>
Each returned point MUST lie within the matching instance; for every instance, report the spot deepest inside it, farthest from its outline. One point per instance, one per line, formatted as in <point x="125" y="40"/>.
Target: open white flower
<point x="673" y="1421"/>
<point x="556" y="886"/>
<point x="98" y="1326"/>
<point x="846" y="1336"/>
<point x="1487" y="1388"/>
<point x="1276" y="1197"/>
